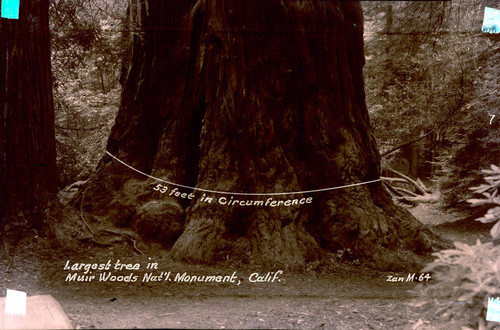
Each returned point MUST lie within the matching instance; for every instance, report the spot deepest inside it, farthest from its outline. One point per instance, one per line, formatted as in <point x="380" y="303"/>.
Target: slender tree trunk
<point x="27" y="140"/>
<point x="414" y="156"/>
<point x="258" y="97"/>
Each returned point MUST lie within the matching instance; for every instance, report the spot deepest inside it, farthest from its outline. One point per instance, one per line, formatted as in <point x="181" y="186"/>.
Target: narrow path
<point x="455" y="226"/>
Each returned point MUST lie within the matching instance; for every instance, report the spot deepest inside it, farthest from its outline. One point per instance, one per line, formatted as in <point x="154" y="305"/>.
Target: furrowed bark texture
<point x="254" y="96"/>
<point x="28" y="176"/>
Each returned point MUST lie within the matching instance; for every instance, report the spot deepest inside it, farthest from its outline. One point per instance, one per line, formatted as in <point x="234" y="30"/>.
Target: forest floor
<point x="343" y="296"/>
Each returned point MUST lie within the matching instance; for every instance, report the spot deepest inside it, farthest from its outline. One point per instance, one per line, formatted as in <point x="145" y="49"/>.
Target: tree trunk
<point x="256" y="97"/>
<point x="27" y="139"/>
<point x="414" y="155"/>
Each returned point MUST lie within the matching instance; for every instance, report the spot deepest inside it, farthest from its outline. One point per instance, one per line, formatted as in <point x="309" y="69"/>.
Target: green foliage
<point x="476" y="142"/>
<point x="87" y="52"/>
<point x="489" y="192"/>
<point x="83" y="121"/>
<point x="430" y="77"/>
<point x="86" y="42"/>
<point x="418" y="75"/>
<point x="465" y="277"/>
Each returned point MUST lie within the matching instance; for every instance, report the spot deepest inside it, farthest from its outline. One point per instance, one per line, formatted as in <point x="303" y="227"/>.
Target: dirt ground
<point x="342" y="295"/>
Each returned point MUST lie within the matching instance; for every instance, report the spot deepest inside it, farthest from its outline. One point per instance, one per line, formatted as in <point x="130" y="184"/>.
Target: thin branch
<point x="427" y="190"/>
<point x="413" y="182"/>
<point x="83" y="215"/>
<point x="77" y="129"/>
<point x="135" y="246"/>
<point x="391" y="180"/>
<point x="406" y="191"/>
<point x="419" y="199"/>
<point x="125" y="235"/>
<point x="391" y="189"/>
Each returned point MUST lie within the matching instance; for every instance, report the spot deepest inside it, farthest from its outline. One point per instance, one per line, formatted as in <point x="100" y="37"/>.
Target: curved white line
<point x="240" y="193"/>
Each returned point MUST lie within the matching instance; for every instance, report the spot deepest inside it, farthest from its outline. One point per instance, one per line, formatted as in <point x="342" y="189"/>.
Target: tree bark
<point x="257" y="97"/>
<point x="27" y="139"/>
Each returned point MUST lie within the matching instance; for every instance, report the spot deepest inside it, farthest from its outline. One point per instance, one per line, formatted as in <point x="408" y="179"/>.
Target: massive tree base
<point x="363" y="219"/>
<point x="257" y="97"/>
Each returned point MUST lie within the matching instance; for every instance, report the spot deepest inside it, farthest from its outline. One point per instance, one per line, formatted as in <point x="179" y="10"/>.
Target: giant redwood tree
<point x="28" y="176"/>
<point x="261" y="97"/>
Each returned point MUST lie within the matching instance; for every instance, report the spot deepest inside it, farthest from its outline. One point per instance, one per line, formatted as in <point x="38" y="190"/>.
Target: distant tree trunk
<point x="413" y="156"/>
<point x="27" y="141"/>
<point x="253" y="96"/>
<point x="389" y="20"/>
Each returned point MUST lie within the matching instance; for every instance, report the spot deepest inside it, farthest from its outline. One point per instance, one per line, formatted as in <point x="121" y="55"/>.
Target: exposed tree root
<point x="82" y="214"/>
<point x="121" y="235"/>
<point x="422" y="194"/>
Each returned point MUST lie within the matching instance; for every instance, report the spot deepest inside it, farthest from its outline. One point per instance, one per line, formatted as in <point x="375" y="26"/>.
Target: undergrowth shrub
<point x="83" y="121"/>
<point x="465" y="277"/>
<point x="88" y="44"/>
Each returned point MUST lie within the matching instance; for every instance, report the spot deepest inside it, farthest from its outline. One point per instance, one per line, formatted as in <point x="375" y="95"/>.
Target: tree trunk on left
<point x="28" y="176"/>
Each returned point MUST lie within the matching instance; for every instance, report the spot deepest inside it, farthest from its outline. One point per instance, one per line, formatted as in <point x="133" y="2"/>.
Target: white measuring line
<point x="241" y="193"/>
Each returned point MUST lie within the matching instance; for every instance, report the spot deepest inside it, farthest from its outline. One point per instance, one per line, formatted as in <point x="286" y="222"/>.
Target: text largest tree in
<point x="251" y="96"/>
